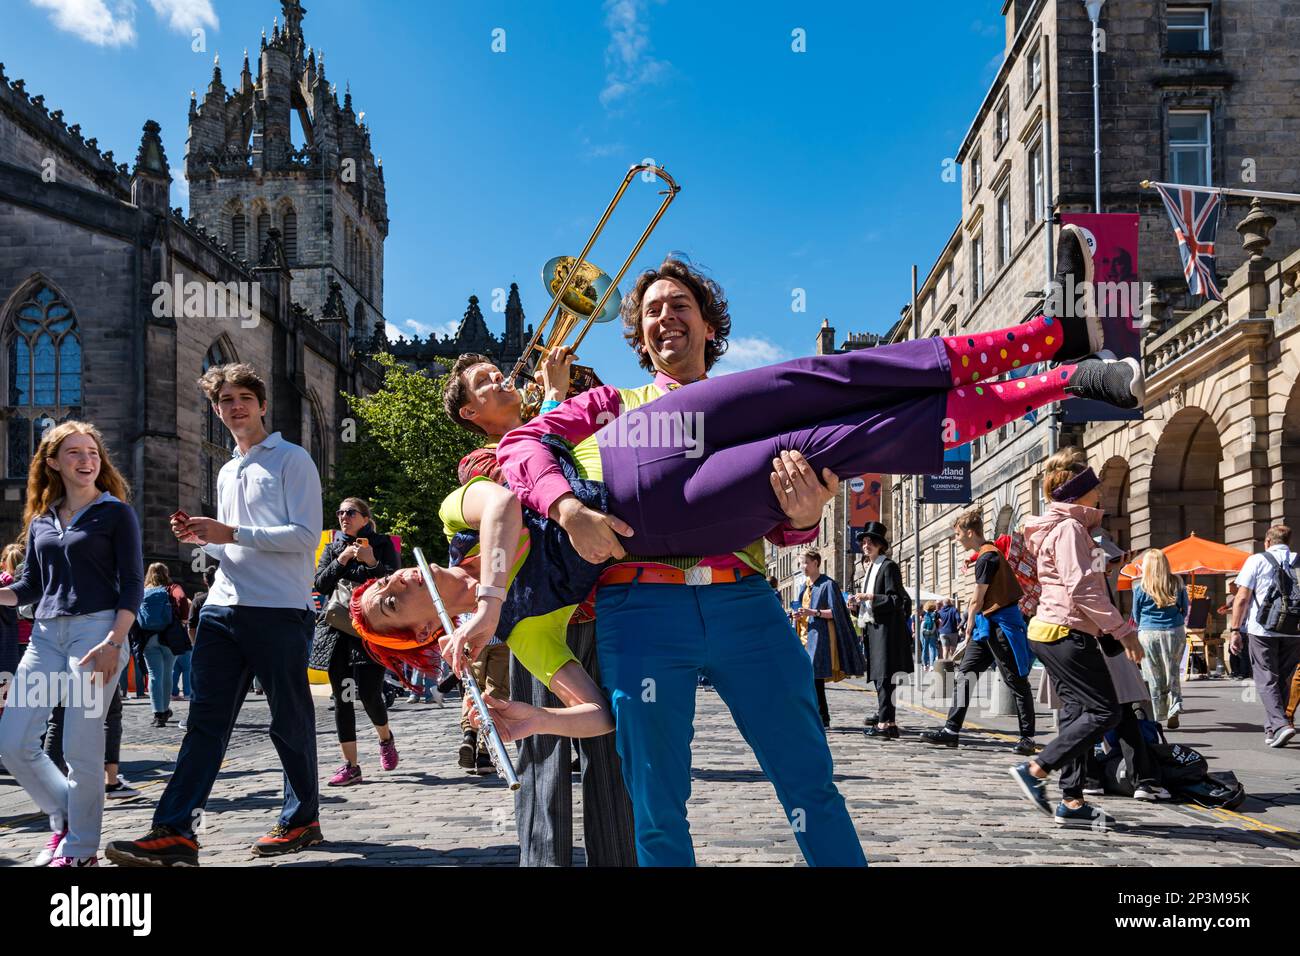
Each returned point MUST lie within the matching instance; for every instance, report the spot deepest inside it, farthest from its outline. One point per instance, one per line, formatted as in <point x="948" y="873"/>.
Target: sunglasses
<point x="348" y="512"/>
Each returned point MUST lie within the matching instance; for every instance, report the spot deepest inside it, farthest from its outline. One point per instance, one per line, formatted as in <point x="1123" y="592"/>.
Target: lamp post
<point x="1094" y="14"/>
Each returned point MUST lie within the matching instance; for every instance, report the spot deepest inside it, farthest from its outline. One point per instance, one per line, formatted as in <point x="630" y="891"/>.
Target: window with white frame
<point x="1189" y="147"/>
<point x="977" y="267"/>
<point x="1004" y="223"/>
<point x="1188" y="30"/>
<point x="1037" y="183"/>
<point x="1002" y="127"/>
<point x="976" y="173"/>
<point x="1033" y="70"/>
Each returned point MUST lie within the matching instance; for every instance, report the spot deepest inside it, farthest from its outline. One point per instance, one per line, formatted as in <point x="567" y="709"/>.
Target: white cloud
<point x="628" y="64"/>
<point x="112" y="22"/>
<point x="423" y="330"/>
<point x="93" y="20"/>
<point x="748" y="352"/>
<point x="184" y="15"/>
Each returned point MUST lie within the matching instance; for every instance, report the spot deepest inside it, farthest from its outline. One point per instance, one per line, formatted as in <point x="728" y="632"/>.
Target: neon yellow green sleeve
<point x="541" y="643"/>
<point x="452" y="510"/>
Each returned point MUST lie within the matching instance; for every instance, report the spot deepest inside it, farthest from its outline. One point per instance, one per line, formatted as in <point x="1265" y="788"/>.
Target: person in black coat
<point x="357" y="554"/>
<point x="884" y="619"/>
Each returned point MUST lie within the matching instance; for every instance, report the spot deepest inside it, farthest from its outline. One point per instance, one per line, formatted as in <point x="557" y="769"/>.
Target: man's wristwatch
<point x="487" y="591"/>
<point x="234" y="534"/>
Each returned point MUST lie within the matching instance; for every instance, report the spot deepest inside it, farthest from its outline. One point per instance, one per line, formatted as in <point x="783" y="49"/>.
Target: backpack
<point x="155" y="610"/>
<point x="1279" y="608"/>
<point x="1216" y="790"/>
<point x="928" y="627"/>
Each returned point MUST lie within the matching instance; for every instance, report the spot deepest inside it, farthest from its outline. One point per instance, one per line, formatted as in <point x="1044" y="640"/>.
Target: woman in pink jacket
<point x="1076" y="621"/>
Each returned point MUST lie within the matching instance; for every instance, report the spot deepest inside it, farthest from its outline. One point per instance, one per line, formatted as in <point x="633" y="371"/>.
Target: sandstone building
<point x="1201" y="93"/>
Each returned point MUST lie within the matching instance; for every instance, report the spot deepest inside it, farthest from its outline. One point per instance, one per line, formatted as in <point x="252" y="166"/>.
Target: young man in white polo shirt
<point x="257" y="621"/>
<point x="1274" y="654"/>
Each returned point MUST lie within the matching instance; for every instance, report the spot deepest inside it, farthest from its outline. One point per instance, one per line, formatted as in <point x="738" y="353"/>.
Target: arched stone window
<point x="239" y="234"/>
<point x="316" y="437"/>
<point x="43" y="369"/>
<point x="263" y="233"/>
<point x="216" y="444"/>
<point x="359" y="320"/>
<point x="290" y="235"/>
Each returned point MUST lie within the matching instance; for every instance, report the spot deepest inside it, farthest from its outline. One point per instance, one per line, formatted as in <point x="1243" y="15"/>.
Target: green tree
<point x="404" y="458"/>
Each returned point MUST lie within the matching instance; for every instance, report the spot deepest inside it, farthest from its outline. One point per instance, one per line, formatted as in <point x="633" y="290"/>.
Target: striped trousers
<point x="544" y="801"/>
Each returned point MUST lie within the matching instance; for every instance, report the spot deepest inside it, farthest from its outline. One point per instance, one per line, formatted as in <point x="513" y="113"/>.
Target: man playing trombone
<point x="697" y="609"/>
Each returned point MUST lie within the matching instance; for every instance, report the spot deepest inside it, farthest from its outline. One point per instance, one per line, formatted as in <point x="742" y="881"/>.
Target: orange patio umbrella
<point x="1192" y="556"/>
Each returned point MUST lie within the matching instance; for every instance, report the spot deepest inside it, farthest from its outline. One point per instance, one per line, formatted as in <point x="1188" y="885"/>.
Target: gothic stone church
<point x="112" y="303"/>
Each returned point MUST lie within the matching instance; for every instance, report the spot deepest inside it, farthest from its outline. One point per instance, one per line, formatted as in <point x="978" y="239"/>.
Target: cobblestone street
<point x="913" y="804"/>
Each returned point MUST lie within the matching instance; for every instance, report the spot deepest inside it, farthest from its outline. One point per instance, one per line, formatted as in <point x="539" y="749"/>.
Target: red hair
<point x="395" y="648"/>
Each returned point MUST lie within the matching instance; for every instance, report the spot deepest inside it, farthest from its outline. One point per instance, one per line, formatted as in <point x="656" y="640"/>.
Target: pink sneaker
<point x="46" y="855"/>
<point x="75" y="861"/>
<point x="345" y="776"/>
<point x="388" y="753"/>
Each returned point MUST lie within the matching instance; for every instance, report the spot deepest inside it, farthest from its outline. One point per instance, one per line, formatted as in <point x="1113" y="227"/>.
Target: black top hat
<point x="877" y="532"/>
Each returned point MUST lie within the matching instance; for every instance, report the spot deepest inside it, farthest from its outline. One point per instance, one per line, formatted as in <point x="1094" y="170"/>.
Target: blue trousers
<point x="231" y="645"/>
<point x="181" y="674"/>
<point x="654" y="640"/>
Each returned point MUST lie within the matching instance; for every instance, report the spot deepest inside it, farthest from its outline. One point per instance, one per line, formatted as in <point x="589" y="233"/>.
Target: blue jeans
<point x="653" y="642"/>
<point x="231" y="645"/>
<point x="181" y="674"/>
<point x="74" y="802"/>
<point x="929" y="650"/>
<point x="158" y="657"/>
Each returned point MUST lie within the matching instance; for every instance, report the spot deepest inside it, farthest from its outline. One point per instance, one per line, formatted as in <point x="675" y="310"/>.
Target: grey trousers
<point x="1274" y="660"/>
<point x="544" y="801"/>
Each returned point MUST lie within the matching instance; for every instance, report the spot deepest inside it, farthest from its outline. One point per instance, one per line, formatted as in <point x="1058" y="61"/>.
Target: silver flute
<point x="496" y="749"/>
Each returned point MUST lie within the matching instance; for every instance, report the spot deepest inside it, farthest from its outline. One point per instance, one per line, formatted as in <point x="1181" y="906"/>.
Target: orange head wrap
<point x="395" y="648"/>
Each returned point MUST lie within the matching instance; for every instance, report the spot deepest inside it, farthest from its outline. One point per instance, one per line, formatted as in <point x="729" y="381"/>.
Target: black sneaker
<point x="445" y="686"/>
<point x="1026" y="747"/>
<point x="159" y="720"/>
<point x="1080" y="334"/>
<point x="468" y="745"/>
<point x="942" y="737"/>
<point x="483" y="765"/>
<point x="1117" y="382"/>
<point x="1035" y="790"/>
<point x="1086" y="817"/>
<point x="161" y="846"/>
<point x="285" y="839"/>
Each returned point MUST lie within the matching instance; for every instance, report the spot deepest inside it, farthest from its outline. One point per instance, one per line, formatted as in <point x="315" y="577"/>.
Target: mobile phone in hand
<point x="180" y="516"/>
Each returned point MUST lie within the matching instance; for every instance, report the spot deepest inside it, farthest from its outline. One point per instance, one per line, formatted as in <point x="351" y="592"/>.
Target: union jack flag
<point x="1195" y="216"/>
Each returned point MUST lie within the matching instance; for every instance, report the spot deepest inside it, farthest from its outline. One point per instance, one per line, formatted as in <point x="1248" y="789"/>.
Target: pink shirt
<point x="538" y="482"/>
<point x="1071" y="571"/>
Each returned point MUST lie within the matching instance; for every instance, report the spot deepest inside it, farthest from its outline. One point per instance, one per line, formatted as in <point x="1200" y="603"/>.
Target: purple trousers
<point x="689" y="471"/>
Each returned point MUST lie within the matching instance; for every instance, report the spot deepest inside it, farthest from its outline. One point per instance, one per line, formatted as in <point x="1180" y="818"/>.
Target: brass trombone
<point x="583" y="293"/>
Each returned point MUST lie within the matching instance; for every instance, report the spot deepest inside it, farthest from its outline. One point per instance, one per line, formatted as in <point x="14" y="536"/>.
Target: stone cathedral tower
<point x="278" y="151"/>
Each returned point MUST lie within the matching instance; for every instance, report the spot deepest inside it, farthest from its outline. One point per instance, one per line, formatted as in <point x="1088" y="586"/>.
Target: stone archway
<point x="1290" y="461"/>
<point x="1114" y="505"/>
<point x="1186" y="495"/>
<point x="1115" y="478"/>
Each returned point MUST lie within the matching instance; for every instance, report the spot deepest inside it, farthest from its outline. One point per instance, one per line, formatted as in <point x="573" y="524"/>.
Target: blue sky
<point x="817" y="170"/>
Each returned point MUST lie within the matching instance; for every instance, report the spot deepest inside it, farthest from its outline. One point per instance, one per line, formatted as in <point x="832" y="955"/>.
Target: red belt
<point x="623" y="574"/>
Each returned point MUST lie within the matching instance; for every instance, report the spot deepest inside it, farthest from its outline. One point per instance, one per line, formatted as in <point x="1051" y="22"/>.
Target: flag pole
<point x="1225" y="191"/>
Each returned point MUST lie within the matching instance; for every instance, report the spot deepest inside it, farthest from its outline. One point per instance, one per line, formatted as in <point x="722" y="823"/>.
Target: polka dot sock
<point x="985" y="355"/>
<point x="978" y="409"/>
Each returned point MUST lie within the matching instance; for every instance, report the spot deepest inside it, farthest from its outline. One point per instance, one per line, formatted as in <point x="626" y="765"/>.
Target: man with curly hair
<point x="662" y="622"/>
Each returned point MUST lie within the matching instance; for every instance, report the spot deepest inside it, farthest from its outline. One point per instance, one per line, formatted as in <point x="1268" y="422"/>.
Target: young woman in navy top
<point x="85" y="574"/>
